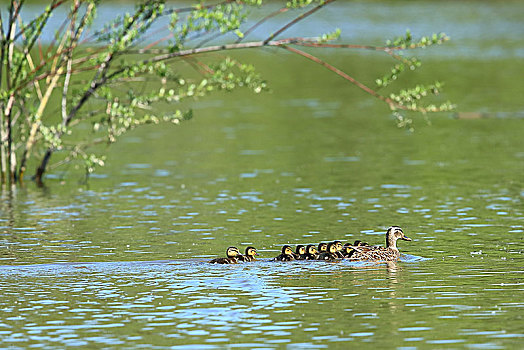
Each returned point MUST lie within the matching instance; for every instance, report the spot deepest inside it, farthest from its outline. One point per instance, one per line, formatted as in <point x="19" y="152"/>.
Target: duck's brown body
<point x="374" y="253"/>
<point x="348" y="249"/>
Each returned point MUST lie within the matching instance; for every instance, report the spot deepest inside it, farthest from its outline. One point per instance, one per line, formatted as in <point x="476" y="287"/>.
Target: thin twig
<point x="29" y="46"/>
<point x="67" y="78"/>
<point x="342" y="74"/>
<point x="2" y="34"/>
<point x="207" y="49"/>
<point x="364" y="47"/>
<point x="263" y="20"/>
<point x="3" y="151"/>
<point x="52" y="44"/>
<point x="154" y="43"/>
<point x="298" y="19"/>
<point x="210" y="38"/>
<point x="347" y="46"/>
<point x="9" y="42"/>
<point x="53" y="6"/>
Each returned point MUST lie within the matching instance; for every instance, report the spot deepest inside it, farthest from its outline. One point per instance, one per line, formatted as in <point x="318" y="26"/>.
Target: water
<point x="122" y="261"/>
<point x="263" y="305"/>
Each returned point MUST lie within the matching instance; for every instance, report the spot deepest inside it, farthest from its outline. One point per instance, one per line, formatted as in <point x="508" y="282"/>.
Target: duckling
<point x="311" y="252"/>
<point x="322" y="247"/>
<point x="359" y="243"/>
<point x="287" y="254"/>
<point x="330" y="254"/>
<point x="232" y="254"/>
<point x="300" y="252"/>
<point x="348" y="249"/>
<point x="378" y="253"/>
<point x="250" y="254"/>
<point x="338" y="245"/>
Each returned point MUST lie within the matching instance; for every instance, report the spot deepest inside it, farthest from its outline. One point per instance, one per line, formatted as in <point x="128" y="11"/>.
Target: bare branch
<point x="201" y="50"/>
<point x="298" y="19"/>
<point x="53" y="6"/>
<point x="69" y="60"/>
<point x="348" y="46"/>
<point x="263" y="20"/>
<point x="344" y="75"/>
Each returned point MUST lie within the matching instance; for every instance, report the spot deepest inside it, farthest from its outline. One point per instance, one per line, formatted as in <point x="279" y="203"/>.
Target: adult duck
<point x="376" y="253"/>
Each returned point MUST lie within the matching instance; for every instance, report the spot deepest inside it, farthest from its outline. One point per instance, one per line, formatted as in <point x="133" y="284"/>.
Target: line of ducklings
<point x="358" y="251"/>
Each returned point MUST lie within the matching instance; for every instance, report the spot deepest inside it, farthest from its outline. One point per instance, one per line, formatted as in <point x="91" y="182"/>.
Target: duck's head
<point x="232" y="252"/>
<point x="251" y="251"/>
<point x="311" y="249"/>
<point x="286" y="250"/>
<point x="322" y="247"/>
<point x="332" y="247"/>
<point x="393" y="234"/>
<point x="338" y="245"/>
<point x="300" y="250"/>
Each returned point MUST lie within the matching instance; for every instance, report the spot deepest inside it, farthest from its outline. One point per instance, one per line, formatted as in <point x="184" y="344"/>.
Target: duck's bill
<point x="406" y="238"/>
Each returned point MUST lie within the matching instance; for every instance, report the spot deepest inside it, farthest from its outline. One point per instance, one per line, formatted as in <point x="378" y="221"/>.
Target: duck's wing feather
<point x="374" y="253"/>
